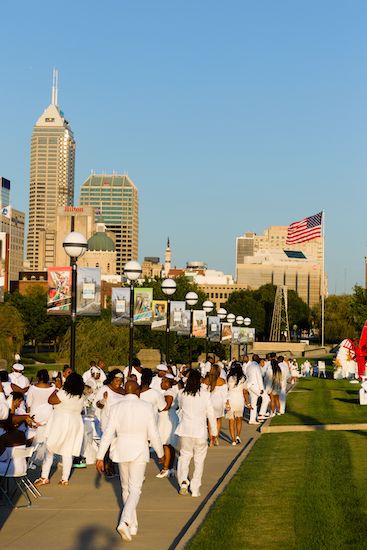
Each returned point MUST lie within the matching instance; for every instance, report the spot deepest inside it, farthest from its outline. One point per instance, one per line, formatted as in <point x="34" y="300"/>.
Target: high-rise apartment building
<point x="51" y="177"/>
<point x="4" y="192"/>
<point x="116" y="203"/>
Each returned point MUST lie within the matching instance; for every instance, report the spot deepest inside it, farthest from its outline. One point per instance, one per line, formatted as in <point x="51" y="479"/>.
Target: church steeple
<point x="167" y="259"/>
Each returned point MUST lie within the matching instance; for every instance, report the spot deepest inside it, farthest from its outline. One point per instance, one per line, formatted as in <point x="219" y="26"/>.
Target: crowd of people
<point x="113" y="417"/>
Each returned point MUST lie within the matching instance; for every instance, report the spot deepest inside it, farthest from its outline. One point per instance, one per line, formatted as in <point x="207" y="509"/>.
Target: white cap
<point x="162" y="367"/>
<point x="169" y="376"/>
<point x="18" y="367"/>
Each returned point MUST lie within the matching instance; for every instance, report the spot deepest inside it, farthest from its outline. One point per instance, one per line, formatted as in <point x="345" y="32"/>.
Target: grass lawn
<point x="294" y="491"/>
<point x="320" y="401"/>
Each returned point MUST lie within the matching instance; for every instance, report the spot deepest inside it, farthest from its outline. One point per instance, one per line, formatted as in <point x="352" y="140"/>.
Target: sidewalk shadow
<point x="96" y="538"/>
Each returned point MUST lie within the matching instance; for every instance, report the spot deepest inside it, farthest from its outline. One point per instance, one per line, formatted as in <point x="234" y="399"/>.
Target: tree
<point x="358" y="307"/>
<point x="338" y="318"/>
<point x="11" y="331"/>
<point x="243" y="302"/>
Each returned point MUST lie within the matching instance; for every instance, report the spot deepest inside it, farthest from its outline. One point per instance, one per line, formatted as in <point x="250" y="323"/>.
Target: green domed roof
<point x="101" y="242"/>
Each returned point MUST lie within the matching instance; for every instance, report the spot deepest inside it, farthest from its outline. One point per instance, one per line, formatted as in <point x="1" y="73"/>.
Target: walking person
<point x="238" y="396"/>
<point x="167" y="424"/>
<point x="286" y="374"/>
<point x="195" y="410"/>
<point x="64" y="430"/>
<point x="131" y="425"/>
<point x="255" y="386"/>
<point x="218" y="389"/>
<point x="276" y="387"/>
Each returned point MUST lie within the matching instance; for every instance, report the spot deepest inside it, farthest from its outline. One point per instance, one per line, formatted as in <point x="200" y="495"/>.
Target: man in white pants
<point x="286" y="374"/>
<point x="131" y="424"/>
<point x="255" y="386"/>
<point x="195" y="408"/>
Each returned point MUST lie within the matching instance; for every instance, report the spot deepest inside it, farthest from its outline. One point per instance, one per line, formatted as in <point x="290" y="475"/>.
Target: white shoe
<point x="184" y="489"/>
<point x="238" y="440"/>
<point x="124" y="532"/>
<point x="134" y="530"/>
<point x="163" y="473"/>
<point x="195" y="495"/>
<point x="234" y="443"/>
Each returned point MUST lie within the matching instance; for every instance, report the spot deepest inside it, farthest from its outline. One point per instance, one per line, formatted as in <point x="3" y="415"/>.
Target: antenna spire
<point x="55" y="87"/>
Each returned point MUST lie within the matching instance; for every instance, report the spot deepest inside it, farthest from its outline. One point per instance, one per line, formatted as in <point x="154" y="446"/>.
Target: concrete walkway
<point x="84" y="515"/>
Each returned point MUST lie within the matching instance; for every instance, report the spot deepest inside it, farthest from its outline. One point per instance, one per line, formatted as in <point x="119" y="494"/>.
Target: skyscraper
<point x="51" y="176"/>
<point x="116" y="203"/>
<point x="4" y="192"/>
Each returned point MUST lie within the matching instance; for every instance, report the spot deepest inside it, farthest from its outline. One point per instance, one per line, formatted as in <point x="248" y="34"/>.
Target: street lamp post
<point x="239" y="320"/>
<point x="222" y="314"/>
<point x="231" y="319"/>
<point x="132" y="270"/>
<point x="208" y="307"/>
<point x="191" y="300"/>
<point x="247" y="323"/>
<point x="168" y="287"/>
<point x="75" y="245"/>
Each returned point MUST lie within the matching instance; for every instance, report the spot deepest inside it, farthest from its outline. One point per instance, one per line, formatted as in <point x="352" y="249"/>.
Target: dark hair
<point x="4" y="376"/>
<point x="236" y="371"/>
<point x="193" y="383"/>
<point x="136" y="362"/>
<point x="272" y="355"/>
<point x="66" y="367"/>
<point x="92" y="363"/>
<point x="256" y="358"/>
<point x="43" y="376"/>
<point x="146" y="377"/>
<point x="17" y="395"/>
<point x="74" y="384"/>
<point x="213" y="376"/>
<point x="111" y="375"/>
<point x="280" y="359"/>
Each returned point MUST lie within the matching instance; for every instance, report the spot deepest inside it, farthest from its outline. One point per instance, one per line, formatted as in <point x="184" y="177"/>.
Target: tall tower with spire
<point x="167" y="259"/>
<point x="51" y="178"/>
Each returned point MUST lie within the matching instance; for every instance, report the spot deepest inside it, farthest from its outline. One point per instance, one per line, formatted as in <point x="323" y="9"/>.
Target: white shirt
<point x="156" y="383"/>
<point x="254" y="377"/>
<point x="4" y="408"/>
<point x="156" y="399"/>
<point x="133" y="371"/>
<point x="194" y="411"/>
<point x="131" y="424"/>
<point x="285" y="373"/>
<point x="19" y="379"/>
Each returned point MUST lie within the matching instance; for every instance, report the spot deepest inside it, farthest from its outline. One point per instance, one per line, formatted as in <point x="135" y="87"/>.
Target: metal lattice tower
<point x="280" y="321"/>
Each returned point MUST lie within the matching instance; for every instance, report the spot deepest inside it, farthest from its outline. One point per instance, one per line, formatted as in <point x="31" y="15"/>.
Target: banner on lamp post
<point x="59" y="290"/>
<point x="226" y="332"/>
<point x="143" y="298"/>
<point x="88" y="291"/>
<point x="120" y="306"/>
<point x="159" y="319"/>
<point x="214" y="328"/>
<point x="199" y="324"/>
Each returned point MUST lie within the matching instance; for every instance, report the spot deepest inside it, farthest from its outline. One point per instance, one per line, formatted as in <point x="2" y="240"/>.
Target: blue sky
<point x="228" y="116"/>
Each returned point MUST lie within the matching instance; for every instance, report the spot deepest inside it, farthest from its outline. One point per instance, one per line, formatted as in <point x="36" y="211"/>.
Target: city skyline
<point x="262" y="127"/>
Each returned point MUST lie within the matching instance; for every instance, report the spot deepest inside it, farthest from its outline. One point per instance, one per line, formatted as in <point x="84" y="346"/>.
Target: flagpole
<point x="9" y="264"/>
<point x="323" y="283"/>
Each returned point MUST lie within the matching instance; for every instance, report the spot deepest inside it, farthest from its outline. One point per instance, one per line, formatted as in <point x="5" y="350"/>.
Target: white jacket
<point x="193" y="412"/>
<point x="286" y="373"/>
<point x="131" y="424"/>
<point x="255" y="382"/>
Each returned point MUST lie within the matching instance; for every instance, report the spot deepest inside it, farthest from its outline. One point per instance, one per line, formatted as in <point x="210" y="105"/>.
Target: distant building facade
<point x="151" y="268"/>
<point x="116" y="204"/>
<point x="14" y="227"/>
<point x="51" y="177"/>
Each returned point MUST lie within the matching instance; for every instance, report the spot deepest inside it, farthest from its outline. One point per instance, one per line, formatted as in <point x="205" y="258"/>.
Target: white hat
<point x="162" y="367"/>
<point x="169" y="376"/>
<point x="18" y="367"/>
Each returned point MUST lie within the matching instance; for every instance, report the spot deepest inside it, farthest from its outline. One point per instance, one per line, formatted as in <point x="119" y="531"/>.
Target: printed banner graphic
<point x="88" y="291"/>
<point x="120" y="306"/>
<point x="226" y="332"/>
<point x="3" y="265"/>
<point x="59" y="291"/>
<point x="159" y="320"/>
<point x="199" y="324"/>
<point x="214" y="328"/>
<point x="143" y="298"/>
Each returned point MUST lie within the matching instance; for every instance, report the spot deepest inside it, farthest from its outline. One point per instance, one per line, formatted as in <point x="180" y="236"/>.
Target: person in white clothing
<point x="100" y="368"/>
<point x="17" y="377"/>
<point x="238" y="396"/>
<point x="64" y="430"/>
<point x="162" y="370"/>
<point x="167" y="425"/>
<point x="218" y="389"/>
<point x="131" y="425"/>
<point x="135" y="370"/>
<point x="37" y="404"/>
<point x="255" y="386"/>
<point x="150" y="395"/>
<point x="286" y="374"/>
<point x="195" y="410"/>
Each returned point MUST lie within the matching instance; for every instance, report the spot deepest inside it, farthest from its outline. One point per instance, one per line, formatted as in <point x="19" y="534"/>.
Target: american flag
<point x="305" y="230"/>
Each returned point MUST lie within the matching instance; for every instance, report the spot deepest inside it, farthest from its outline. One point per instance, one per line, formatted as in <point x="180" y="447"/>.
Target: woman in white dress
<point x="108" y="395"/>
<point x="64" y="430"/>
<point x="218" y="389"/>
<point x="167" y="424"/>
<point x="238" y="397"/>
